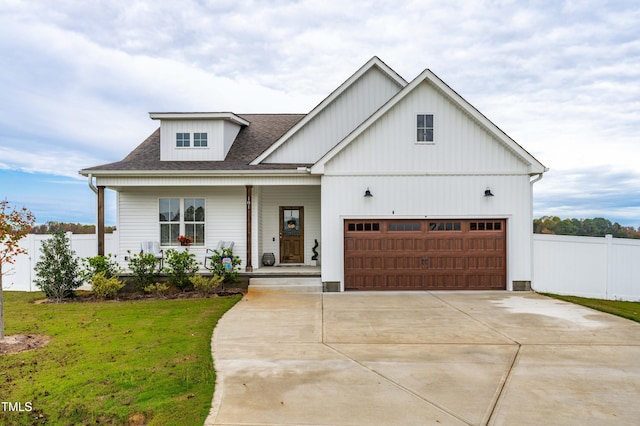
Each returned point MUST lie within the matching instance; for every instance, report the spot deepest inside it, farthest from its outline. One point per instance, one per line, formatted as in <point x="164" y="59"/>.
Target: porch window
<point x="194" y="220"/>
<point x="169" y="221"/>
<point x="173" y="223"/>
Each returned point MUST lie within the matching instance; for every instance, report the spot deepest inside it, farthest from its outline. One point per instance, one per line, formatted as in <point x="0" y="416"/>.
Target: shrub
<point x="144" y="267"/>
<point x="218" y="266"/>
<point x="206" y="286"/>
<point x="181" y="266"/>
<point x="105" y="287"/>
<point x="58" y="269"/>
<point x="91" y="266"/>
<point x="159" y="289"/>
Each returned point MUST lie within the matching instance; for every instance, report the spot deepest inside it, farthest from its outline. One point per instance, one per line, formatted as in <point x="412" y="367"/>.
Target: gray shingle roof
<point x="251" y="141"/>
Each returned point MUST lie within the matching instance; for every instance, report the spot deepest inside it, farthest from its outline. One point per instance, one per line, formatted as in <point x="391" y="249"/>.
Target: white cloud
<point x="561" y="78"/>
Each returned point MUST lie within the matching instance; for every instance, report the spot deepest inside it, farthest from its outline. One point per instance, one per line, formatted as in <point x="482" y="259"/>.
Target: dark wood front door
<point x="291" y="234"/>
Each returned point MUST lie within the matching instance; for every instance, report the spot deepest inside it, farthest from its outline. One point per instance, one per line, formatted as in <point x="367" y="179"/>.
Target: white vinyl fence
<point x="601" y="268"/>
<point x="20" y="275"/>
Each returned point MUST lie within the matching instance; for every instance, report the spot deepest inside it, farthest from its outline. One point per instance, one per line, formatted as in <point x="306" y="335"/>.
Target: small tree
<point x="181" y="267"/>
<point x="108" y="265"/>
<point x="14" y="225"/>
<point x="58" y="270"/>
<point x="144" y="268"/>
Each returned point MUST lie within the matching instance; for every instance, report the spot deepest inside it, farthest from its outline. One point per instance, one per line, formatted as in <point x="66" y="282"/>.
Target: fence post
<point x="609" y="260"/>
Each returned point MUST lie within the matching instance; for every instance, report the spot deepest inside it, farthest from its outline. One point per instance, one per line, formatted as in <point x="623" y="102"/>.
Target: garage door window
<point x="445" y="226"/>
<point x="404" y="227"/>
<point x="485" y="226"/>
<point x="364" y="227"/>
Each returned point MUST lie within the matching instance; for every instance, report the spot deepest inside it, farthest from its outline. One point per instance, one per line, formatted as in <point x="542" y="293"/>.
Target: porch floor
<point x="284" y="271"/>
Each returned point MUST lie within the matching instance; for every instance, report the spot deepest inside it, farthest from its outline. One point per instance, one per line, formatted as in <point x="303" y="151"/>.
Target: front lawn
<point x="130" y="362"/>
<point x="629" y="310"/>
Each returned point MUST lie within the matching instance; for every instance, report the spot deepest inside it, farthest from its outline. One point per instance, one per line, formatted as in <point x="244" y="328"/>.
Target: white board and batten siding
<point x="435" y="197"/>
<point x="338" y="119"/>
<point x="444" y="179"/>
<point x="220" y="136"/>
<point x="460" y="144"/>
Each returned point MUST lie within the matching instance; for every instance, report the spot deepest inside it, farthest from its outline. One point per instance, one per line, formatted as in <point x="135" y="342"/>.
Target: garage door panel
<point x="425" y="254"/>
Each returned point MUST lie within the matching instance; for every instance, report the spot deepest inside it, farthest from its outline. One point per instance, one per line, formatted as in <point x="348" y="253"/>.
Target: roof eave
<point x="299" y="170"/>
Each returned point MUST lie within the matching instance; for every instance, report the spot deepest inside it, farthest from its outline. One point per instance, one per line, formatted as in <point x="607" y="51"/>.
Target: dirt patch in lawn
<point x="17" y="343"/>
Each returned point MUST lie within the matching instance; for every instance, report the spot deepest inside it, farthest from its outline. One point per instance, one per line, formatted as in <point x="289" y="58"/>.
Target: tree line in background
<point x="76" y="228"/>
<point x="597" y="227"/>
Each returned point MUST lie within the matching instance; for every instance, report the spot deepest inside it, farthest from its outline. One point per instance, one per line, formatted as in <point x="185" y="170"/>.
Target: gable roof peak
<point x="371" y="63"/>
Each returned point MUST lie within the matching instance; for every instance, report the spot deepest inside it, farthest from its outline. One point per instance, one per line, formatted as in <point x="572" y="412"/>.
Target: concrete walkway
<point x="420" y="358"/>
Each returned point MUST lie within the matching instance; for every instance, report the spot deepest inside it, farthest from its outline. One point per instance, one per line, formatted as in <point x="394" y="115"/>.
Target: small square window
<point x="200" y="139"/>
<point x="424" y="128"/>
<point x="183" y="140"/>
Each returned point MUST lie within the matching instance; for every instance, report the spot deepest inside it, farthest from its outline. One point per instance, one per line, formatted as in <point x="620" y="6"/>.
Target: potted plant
<point x="184" y="240"/>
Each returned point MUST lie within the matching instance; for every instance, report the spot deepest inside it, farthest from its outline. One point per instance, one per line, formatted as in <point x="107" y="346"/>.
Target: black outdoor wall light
<point x="368" y="193"/>
<point x="487" y="192"/>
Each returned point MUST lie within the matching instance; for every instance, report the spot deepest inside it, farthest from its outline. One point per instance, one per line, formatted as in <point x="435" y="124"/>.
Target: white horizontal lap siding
<point x="461" y="144"/>
<point x="337" y="120"/>
<point x="215" y="142"/>
<point x="225" y="217"/>
<point x="272" y="197"/>
<point x="460" y="197"/>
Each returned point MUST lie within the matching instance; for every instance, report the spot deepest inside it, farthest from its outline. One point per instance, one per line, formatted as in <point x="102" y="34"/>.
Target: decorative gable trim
<point x="535" y="167"/>
<point x="373" y="62"/>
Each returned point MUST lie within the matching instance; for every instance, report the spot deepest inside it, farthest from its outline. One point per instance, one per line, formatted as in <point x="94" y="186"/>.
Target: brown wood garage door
<point x="425" y="254"/>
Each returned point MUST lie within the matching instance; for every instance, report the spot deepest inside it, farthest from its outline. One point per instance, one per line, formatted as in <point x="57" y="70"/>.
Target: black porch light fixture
<point x="367" y="193"/>
<point x="487" y="192"/>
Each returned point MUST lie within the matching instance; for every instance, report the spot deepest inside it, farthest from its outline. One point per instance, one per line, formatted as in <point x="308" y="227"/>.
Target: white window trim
<point x="192" y="141"/>
<point x="415" y="128"/>
<point x="182" y="222"/>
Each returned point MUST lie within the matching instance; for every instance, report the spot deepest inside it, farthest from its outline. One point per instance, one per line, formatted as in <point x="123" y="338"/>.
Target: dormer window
<point x="183" y="140"/>
<point x="424" y="128"/>
<point x="200" y="140"/>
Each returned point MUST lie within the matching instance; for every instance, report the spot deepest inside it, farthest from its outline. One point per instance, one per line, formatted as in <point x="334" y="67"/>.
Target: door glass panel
<point x="291" y="222"/>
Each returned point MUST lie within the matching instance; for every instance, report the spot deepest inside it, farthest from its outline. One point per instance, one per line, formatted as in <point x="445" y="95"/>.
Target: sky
<point x="79" y="78"/>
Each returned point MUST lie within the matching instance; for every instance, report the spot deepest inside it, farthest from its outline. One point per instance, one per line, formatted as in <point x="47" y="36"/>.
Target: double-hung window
<point x="200" y="140"/>
<point x="183" y="140"/>
<point x="169" y="221"/>
<point x="194" y="220"/>
<point x="424" y="128"/>
<point x="181" y="216"/>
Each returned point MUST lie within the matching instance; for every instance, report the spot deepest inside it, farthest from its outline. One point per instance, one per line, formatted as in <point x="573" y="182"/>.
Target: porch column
<point x="101" y="221"/>
<point x="249" y="267"/>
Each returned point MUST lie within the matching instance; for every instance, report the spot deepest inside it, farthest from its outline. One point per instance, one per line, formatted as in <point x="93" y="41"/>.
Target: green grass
<point x="629" y="310"/>
<point x="110" y="361"/>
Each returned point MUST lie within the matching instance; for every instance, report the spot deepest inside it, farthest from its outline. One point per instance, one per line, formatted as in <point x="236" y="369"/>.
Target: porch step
<point x="293" y="284"/>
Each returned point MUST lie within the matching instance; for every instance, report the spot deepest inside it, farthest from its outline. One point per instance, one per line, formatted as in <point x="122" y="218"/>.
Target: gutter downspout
<point x="531" y="182"/>
<point x="91" y="185"/>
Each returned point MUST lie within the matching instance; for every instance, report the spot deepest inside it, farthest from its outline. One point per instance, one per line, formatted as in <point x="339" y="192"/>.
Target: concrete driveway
<point x="419" y="358"/>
